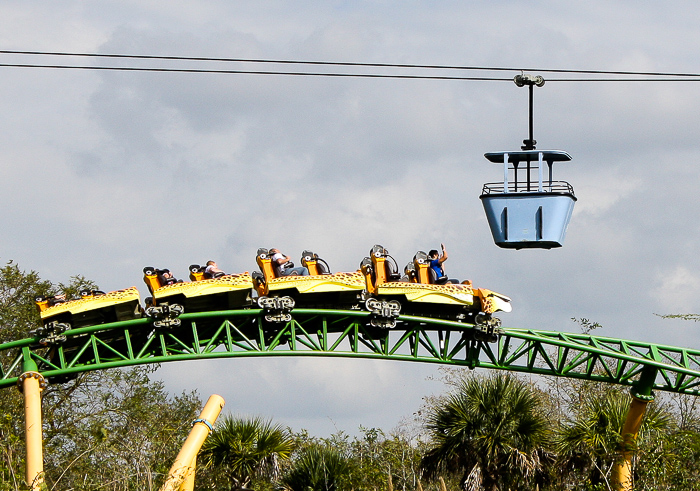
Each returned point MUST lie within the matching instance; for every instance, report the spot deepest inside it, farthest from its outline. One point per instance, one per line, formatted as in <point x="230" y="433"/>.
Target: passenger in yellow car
<point x="437" y="271"/>
<point x="165" y="277"/>
<point x="56" y="299"/>
<point x="284" y="267"/>
<point x="212" y="270"/>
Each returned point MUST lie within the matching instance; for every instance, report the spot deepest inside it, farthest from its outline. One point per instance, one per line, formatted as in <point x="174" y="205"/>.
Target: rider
<point x="435" y="264"/>
<point x="283" y="267"/>
<point x="212" y="270"/>
<point x="165" y="277"/>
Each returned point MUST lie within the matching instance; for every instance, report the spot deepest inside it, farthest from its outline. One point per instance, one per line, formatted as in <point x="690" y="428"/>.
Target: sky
<point x="105" y="172"/>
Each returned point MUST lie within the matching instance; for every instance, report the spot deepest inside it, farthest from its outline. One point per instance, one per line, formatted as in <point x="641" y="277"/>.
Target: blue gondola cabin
<point x="528" y="212"/>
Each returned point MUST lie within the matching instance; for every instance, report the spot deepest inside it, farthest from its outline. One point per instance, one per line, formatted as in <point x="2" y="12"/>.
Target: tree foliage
<point x="116" y="427"/>
<point x="120" y="430"/>
<point x="242" y="449"/>
<point x="492" y="431"/>
<point x="110" y="429"/>
<point x="591" y="440"/>
<point x="371" y="460"/>
<point x="318" y="468"/>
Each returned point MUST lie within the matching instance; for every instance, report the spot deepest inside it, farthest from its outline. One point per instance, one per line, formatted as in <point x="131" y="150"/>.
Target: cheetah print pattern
<point x="321" y="283"/>
<point x="90" y="303"/>
<point x="224" y="283"/>
<point x="416" y="292"/>
<point x="454" y="294"/>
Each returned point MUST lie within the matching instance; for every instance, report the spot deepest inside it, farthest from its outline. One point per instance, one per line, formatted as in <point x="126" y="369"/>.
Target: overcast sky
<point x="103" y="173"/>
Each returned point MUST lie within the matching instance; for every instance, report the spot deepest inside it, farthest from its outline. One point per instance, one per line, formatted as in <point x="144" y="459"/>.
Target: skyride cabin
<point x="528" y="213"/>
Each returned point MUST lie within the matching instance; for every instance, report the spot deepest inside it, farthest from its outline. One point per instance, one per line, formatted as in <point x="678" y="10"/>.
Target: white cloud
<point x="599" y="193"/>
<point x="103" y="173"/>
<point x="677" y="290"/>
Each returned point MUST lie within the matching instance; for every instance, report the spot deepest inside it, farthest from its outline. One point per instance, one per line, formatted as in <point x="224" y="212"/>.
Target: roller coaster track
<point x="310" y="332"/>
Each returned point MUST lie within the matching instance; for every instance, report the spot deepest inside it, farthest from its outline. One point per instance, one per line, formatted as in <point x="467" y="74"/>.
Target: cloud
<point x="677" y="291"/>
<point x="599" y="193"/>
<point x="103" y="173"/>
<point x="322" y="395"/>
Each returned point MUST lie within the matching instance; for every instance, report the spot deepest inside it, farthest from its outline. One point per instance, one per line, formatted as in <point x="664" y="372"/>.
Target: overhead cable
<point x="257" y="72"/>
<point x="611" y="76"/>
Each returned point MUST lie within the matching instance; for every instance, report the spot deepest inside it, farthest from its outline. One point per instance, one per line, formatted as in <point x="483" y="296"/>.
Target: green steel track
<point x="245" y="333"/>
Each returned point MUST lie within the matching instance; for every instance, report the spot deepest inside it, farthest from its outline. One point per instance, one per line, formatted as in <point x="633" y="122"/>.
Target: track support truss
<point x="310" y="332"/>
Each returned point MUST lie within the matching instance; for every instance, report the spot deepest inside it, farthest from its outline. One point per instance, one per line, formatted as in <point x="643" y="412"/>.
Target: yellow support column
<point x="188" y="483"/>
<point x="31" y="383"/>
<point x="185" y="460"/>
<point x="641" y="396"/>
<point x="622" y="472"/>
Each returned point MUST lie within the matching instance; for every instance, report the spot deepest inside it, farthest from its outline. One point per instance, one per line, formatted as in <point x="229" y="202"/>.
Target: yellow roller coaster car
<point x="331" y="290"/>
<point x="418" y="295"/>
<point x="93" y="307"/>
<point x="227" y="292"/>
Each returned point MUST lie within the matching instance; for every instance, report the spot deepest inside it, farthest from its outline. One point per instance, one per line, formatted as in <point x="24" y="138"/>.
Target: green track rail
<point x="245" y="333"/>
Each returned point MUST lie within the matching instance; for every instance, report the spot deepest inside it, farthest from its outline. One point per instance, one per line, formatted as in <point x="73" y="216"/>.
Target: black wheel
<point x="149" y="270"/>
<point x="176" y="309"/>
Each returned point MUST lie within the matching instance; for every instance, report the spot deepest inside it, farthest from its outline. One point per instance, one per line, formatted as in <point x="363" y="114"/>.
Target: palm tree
<point x="591" y="440"/>
<point x="319" y="468"/>
<point x="242" y="449"/>
<point x="492" y="430"/>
